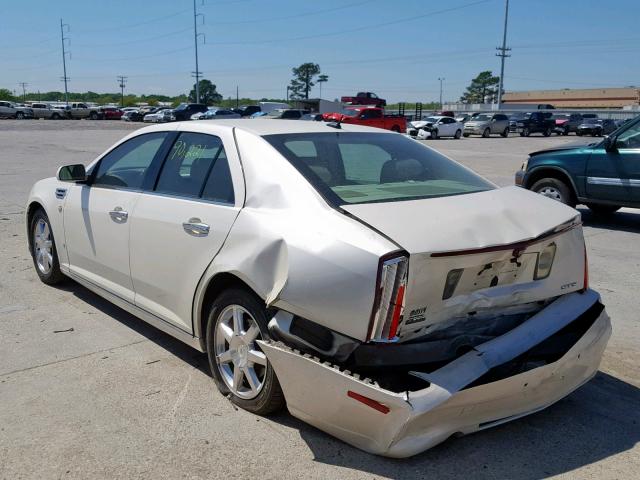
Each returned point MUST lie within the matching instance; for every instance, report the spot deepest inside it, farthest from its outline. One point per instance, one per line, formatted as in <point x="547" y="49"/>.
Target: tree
<point x="303" y="79"/>
<point x="5" y="94"/>
<point x="321" y="80"/>
<point x="483" y="89"/>
<point x="208" y="92"/>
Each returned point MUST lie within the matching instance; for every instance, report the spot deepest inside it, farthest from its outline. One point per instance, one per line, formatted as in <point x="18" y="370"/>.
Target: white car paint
<point x="305" y="257"/>
<point x="446" y="126"/>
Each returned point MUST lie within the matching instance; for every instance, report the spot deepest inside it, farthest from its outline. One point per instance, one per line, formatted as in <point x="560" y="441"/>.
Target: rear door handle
<point x="196" y="228"/>
<point x="118" y="215"/>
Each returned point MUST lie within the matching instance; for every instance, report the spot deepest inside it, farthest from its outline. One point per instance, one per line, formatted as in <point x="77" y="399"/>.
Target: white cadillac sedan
<point x="385" y="293"/>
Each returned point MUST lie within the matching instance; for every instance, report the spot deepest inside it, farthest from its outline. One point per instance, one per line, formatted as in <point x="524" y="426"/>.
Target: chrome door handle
<point x="118" y="215"/>
<point x="196" y="228"/>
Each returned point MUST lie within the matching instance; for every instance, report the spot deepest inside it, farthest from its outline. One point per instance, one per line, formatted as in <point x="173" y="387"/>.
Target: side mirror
<point x="609" y="144"/>
<point x="72" y="173"/>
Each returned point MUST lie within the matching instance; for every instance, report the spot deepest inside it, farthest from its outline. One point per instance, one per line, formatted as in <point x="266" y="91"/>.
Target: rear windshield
<point x="350" y="167"/>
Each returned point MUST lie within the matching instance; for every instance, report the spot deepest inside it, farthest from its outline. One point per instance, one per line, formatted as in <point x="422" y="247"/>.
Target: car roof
<point x="261" y="127"/>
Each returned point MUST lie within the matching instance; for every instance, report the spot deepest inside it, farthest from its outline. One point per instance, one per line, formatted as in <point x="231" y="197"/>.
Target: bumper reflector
<point x="369" y="402"/>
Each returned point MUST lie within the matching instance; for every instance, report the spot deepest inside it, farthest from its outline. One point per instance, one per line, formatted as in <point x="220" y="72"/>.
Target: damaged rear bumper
<point x="458" y="398"/>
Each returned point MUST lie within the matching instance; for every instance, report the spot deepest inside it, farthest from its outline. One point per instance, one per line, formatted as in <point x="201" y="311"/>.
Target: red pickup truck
<point x="369" y="116"/>
<point x="365" y="98"/>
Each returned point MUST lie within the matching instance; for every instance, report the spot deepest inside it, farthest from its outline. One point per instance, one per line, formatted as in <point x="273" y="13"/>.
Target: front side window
<point x="197" y="167"/>
<point x="126" y="165"/>
<point x="355" y="167"/>
<point x="630" y="138"/>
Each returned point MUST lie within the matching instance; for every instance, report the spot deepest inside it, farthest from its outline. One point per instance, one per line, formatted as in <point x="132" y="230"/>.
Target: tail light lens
<point x="389" y="299"/>
<point x="545" y="262"/>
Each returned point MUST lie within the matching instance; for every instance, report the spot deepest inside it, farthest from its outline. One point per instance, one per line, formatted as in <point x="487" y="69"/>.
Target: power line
<point x="197" y="73"/>
<point x="503" y="52"/>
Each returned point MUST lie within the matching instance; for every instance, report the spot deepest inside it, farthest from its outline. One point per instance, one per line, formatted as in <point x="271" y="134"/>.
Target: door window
<point x="197" y="167"/>
<point x="126" y="165"/>
<point x="371" y="114"/>
<point x="630" y="138"/>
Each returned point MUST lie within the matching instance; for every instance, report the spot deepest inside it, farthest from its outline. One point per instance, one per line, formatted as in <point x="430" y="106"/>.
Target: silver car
<point x="486" y="124"/>
<point x="13" y="110"/>
<point x="383" y="292"/>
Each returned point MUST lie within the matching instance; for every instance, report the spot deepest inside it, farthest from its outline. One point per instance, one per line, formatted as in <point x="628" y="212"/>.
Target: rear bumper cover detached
<point x="454" y="400"/>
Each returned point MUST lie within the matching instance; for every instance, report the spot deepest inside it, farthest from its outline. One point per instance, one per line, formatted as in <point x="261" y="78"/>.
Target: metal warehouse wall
<point x="579" y="98"/>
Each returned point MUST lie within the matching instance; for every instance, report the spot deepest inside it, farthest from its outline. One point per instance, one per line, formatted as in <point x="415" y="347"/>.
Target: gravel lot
<point x="88" y="391"/>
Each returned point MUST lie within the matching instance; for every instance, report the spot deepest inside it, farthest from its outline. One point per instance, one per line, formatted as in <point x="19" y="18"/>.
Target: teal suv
<point x="604" y="176"/>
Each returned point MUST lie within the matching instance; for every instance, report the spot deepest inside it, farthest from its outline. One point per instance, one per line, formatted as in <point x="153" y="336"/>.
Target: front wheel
<point x="565" y="132"/>
<point x="458" y="134"/>
<point x="505" y="132"/>
<point x="486" y="133"/>
<point x="396" y="129"/>
<point x="599" y="209"/>
<point x="93" y="116"/>
<point x="43" y="249"/>
<point x="525" y="132"/>
<point x="547" y="132"/>
<point x="554" y="189"/>
<point x="20" y="116"/>
<point x="240" y="369"/>
<point x="434" y="134"/>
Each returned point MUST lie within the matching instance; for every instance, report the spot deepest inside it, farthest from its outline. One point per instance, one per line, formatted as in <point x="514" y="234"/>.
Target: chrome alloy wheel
<point x="242" y="365"/>
<point x="551" y="192"/>
<point x="43" y="246"/>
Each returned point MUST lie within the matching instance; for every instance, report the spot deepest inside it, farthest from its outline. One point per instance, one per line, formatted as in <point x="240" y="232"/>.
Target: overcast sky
<point x="395" y="48"/>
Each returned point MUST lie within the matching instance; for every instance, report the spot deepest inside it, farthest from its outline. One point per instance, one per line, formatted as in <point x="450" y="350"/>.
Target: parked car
<point x="487" y="123"/>
<point x="44" y="110"/>
<point x="162" y="114"/>
<point x="463" y="117"/>
<point x="78" y="110"/>
<point x="385" y="293"/>
<point x="435" y="127"/>
<point x="132" y="115"/>
<point x="535" y="122"/>
<point x="365" y="98"/>
<point x="370" y="117"/>
<point x="566" y="122"/>
<point x="110" y="113"/>
<point x="596" y="127"/>
<point x="184" y="111"/>
<point x="247" y="110"/>
<point x="286" y="114"/>
<point x="12" y="110"/>
<point x="604" y="176"/>
<point x="315" y="117"/>
<point x="216" y="114"/>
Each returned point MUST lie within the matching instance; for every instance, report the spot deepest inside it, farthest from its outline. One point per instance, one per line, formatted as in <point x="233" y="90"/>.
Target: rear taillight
<point x="386" y="316"/>
<point x="545" y="262"/>
<point x="585" y="282"/>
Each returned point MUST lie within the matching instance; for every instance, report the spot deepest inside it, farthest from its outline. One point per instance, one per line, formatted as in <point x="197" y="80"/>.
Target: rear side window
<point x="196" y="167"/>
<point x="374" y="167"/>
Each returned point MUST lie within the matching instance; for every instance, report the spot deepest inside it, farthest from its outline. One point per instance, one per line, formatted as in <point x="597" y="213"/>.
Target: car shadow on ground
<point x="623" y="221"/>
<point x="598" y="421"/>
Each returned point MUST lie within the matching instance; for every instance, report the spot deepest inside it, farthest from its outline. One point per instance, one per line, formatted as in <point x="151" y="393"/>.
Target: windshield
<point x="591" y="120"/>
<point x="352" y="167"/>
<point x="519" y="116"/>
<point x="560" y="116"/>
<point x="350" y="112"/>
<point x="482" y="118"/>
<point x="430" y="119"/>
<point x="275" y="113"/>
<point x="182" y="106"/>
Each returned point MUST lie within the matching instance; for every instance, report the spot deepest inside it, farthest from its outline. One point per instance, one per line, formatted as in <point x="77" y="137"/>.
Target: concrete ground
<point x="89" y="391"/>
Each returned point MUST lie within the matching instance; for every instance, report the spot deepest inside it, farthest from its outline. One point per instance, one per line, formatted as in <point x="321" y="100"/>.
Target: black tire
<point x="565" y="132"/>
<point x="556" y="189"/>
<point x="93" y="116"/>
<point x="579" y="133"/>
<point x="270" y="398"/>
<point x="526" y="132"/>
<point x="434" y="134"/>
<point x="505" y="132"/>
<point x="600" y="209"/>
<point x="395" y="128"/>
<point x="54" y="275"/>
<point x="55" y="116"/>
<point x="486" y="133"/>
<point x="19" y="116"/>
<point x="547" y="132"/>
<point x="465" y="135"/>
<point x="458" y="134"/>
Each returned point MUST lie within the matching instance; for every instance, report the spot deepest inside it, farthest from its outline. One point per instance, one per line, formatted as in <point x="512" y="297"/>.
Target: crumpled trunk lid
<point x="490" y="241"/>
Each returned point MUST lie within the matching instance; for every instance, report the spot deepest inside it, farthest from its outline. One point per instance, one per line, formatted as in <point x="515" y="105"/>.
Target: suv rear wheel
<point x="486" y="133"/>
<point x="505" y="132"/>
<point x="555" y="189"/>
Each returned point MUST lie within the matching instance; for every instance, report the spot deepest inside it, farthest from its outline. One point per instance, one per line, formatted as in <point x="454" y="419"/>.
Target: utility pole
<point x="65" y="79"/>
<point x="237" y="97"/>
<point x="122" y="80"/>
<point x="441" y="79"/>
<point x="197" y="73"/>
<point x="288" y="93"/>
<point x="24" y="91"/>
<point x="503" y="52"/>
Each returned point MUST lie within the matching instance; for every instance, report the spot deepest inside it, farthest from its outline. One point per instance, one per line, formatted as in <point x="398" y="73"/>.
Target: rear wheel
<point x="555" y="189"/>
<point x="565" y="132"/>
<point x="547" y="132"/>
<point x="505" y="132"/>
<point x="20" y="115"/>
<point x="93" y="116"/>
<point x="525" y="132"/>
<point x="600" y="209"/>
<point x="486" y="133"/>
<point x="43" y="249"/>
<point x="465" y="135"/>
<point x="240" y="369"/>
<point x="458" y="134"/>
<point x="55" y="116"/>
<point x="396" y="128"/>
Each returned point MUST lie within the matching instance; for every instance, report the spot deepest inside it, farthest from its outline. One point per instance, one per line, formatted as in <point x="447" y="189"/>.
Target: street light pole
<point x="441" y="80"/>
<point x="503" y="52"/>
